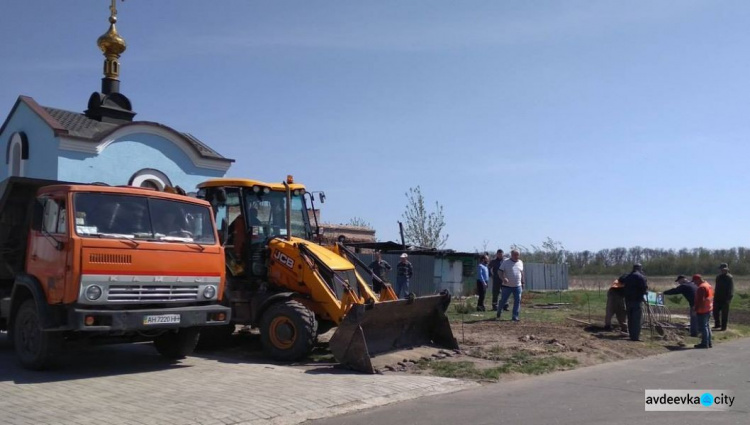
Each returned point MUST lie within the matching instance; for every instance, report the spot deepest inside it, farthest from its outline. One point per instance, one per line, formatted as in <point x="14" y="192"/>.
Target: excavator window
<point x="271" y="214"/>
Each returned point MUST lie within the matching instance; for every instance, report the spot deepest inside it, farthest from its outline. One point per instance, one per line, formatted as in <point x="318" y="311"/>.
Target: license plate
<point x="161" y="319"/>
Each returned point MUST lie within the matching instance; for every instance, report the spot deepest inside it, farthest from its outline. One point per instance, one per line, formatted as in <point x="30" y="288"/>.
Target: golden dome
<point x="110" y="42"/>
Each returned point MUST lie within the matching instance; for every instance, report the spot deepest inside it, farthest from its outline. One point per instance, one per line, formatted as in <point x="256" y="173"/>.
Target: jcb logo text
<point x="284" y="259"/>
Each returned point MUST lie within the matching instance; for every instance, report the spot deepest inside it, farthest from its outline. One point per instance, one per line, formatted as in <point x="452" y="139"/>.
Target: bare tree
<point x="421" y="227"/>
<point x="485" y="247"/>
<point x="359" y="222"/>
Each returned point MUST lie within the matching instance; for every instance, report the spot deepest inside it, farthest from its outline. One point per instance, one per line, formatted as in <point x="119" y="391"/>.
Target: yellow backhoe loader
<point x="293" y="289"/>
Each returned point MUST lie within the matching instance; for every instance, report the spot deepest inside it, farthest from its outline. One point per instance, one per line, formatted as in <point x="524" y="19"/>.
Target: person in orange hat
<point x="616" y="305"/>
<point x="704" y="304"/>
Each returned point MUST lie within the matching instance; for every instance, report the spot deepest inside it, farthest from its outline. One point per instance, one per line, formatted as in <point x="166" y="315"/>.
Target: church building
<point x="104" y="143"/>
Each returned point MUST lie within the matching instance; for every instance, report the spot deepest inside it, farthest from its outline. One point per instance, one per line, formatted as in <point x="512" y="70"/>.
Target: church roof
<point x="79" y="126"/>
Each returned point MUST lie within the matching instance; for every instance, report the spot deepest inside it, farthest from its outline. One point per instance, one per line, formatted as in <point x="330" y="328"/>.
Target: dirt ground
<point x="491" y="344"/>
<point x="486" y="344"/>
<point x="491" y="351"/>
<point x="529" y="347"/>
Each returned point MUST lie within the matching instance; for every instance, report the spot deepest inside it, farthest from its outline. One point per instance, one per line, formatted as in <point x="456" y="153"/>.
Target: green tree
<point x="422" y="227"/>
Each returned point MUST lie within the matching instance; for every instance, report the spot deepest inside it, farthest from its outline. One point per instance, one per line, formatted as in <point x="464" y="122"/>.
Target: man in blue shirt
<point x="483" y="278"/>
<point x="687" y="289"/>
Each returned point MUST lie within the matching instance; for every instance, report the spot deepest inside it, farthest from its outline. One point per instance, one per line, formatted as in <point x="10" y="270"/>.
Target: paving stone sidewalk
<point x="132" y="385"/>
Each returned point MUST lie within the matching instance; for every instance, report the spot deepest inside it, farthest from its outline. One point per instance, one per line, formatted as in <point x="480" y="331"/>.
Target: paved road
<point x="610" y="393"/>
<point x="131" y="384"/>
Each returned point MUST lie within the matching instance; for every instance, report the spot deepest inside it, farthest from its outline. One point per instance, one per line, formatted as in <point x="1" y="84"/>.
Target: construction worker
<point x="704" y="304"/>
<point x="723" y="297"/>
<point x="616" y="305"/>
<point x="379" y="268"/>
<point x="635" y="287"/>
<point x="404" y="272"/>
<point x="687" y="289"/>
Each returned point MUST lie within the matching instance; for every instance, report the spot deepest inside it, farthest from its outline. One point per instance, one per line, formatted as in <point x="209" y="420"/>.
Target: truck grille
<point x="141" y="293"/>
<point x="110" y="258"/>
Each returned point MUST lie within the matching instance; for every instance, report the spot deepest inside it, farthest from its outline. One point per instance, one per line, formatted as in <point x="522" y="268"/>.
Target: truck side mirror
<point x="37" y="215"/>
<point x="322" y="197"/>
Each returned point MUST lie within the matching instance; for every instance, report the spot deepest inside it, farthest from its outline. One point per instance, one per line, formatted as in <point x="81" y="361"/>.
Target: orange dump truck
<point x="100" y="263"/>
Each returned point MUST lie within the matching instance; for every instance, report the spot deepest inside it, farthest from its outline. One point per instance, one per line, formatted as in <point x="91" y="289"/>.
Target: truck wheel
<point x="35" y="348"/>
<point x="215" y="336"/>
<point x="287" y="330"/>
<point x="177" y="345"/>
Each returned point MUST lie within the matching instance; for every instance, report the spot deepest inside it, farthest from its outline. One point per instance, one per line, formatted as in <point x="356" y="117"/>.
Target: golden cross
<point x="113" y="8"/>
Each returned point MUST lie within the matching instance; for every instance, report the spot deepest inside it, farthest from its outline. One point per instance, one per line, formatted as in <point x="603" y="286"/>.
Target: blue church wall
<point x="42" y="161"/>
<point x="118" y="161"/>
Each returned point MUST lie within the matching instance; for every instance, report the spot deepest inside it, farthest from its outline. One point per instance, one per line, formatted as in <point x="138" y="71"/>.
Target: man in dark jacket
<point x="723" y="297"/>
<point x="379" y="268"/>
<point x="687" y="289"/>
<point x="636" y="287"/>
<point x="496" y="279"/>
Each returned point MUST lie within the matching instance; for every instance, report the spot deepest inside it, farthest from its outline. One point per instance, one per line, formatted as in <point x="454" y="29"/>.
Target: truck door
<point x="49" y="248"/>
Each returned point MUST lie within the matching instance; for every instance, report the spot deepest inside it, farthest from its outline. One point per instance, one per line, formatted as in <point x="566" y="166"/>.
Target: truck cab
<point x="90" y="262"/>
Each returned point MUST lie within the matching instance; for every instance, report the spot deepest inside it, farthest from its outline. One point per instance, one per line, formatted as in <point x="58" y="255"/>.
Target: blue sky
<point x="596" y="123"/>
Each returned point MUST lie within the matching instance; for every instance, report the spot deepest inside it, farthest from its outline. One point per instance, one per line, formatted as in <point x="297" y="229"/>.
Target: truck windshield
<point x="267" y="212"/>
<point x="138" y="217"/>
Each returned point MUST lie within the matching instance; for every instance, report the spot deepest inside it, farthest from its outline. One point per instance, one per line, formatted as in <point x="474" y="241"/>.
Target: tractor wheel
<point x="287" y="330"/>
<point x="35" y="348"/>
<point x="177" y="345"/>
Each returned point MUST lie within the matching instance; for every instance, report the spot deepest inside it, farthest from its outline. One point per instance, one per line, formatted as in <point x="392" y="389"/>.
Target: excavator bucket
<point x="369" y="330"/>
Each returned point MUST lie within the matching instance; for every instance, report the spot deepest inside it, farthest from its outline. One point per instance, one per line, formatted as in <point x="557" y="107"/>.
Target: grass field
<point x="658" y="283"/>
<point x="586" y="304"/>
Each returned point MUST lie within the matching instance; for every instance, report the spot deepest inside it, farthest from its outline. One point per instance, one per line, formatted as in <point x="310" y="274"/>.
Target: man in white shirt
<point x="513" y="279"/>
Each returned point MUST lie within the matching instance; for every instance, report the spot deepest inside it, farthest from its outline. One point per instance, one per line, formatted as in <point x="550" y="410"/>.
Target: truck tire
<point x="35" y="348"/>
<point x="287" y="330"/>
<point x="215" y="336"/>
<point x="177" y="345"/>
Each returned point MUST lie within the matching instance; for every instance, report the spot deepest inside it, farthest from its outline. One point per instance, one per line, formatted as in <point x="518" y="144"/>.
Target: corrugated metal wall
<point x="546" y="277"/>
<point x="423" y="281"/>
<point x="433" y="274"/>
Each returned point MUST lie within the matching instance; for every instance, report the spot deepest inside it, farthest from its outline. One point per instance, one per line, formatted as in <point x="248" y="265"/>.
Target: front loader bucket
<point x="390" y="326"/>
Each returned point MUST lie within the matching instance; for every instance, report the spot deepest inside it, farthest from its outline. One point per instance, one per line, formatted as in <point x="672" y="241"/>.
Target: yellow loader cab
<point x="294" y="289"/>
